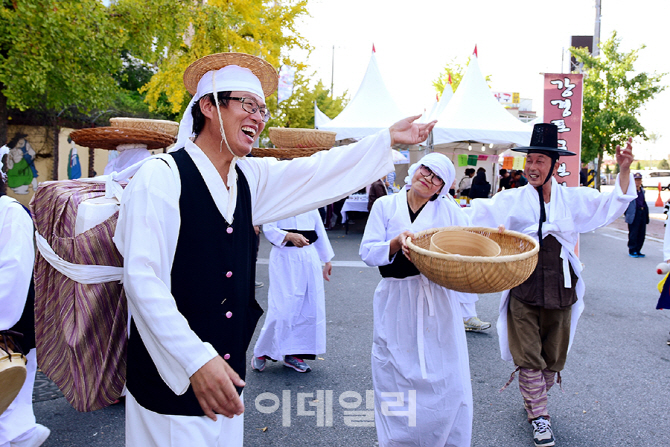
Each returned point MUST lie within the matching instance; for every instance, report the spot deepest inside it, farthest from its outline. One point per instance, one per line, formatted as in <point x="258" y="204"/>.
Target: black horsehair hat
<point x="544" y="139"/>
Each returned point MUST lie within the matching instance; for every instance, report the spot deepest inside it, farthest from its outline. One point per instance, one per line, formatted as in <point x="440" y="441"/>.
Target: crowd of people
<point x="189" y="249"/>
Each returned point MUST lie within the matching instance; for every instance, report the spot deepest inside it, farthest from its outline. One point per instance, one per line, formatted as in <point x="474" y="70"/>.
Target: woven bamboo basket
<point x="301" y="138"/>
<point x="477" y="274"/>
<point x="111" y="137"/>
<point x="464" y="243"/>
<point x="12" y="376"/>
<point x="169" y="127"/>
<point x="286" y="153"/>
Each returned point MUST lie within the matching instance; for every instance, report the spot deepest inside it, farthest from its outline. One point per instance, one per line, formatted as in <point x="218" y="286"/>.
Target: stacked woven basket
<point x="294" y="143"/>
<point x="155" y="134"/>
<point x="479" y="269"/>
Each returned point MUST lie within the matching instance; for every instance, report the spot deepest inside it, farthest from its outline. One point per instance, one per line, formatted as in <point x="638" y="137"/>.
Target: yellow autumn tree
<point x="262" y="28"/>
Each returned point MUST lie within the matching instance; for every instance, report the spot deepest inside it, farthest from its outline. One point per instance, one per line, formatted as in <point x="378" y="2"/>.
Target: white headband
<point x="4" y="150"/>
<point x="227" y="79"/>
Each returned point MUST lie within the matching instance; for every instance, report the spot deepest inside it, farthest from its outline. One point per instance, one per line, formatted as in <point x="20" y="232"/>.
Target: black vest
<point x="213" y="285"/>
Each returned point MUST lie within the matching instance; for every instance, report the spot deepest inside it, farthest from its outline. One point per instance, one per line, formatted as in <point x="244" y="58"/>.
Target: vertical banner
<point x="563" y="107"/>
<point x="285" y="87"/>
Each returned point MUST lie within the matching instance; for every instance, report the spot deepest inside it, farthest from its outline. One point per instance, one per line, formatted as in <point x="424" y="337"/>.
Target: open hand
<point x="406" y="131"/>
<point x="624" y="157"/>
<point x="327" y="270"/>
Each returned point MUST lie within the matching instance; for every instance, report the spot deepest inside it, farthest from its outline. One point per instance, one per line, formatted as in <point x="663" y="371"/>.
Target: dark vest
<point x="213" y="285"/>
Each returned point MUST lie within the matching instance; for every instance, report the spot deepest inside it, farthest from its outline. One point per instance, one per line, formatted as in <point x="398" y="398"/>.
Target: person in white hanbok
<point x="420" y="369"/>
<point x="295" y="325"/>
<point x="17" y="254"/>
<point x="185" y="230"/>
<point x="538" y="318"/>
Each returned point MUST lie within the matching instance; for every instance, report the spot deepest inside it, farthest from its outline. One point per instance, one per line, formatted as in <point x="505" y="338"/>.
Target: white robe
<point x="17" y="255"/>
<point x="571" y="211"/>
<point x="419" y="342"/>
<point x="295" y="321"/>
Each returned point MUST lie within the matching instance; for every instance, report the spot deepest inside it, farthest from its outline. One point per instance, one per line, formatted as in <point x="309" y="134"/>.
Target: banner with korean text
<point x="563" y="107"/>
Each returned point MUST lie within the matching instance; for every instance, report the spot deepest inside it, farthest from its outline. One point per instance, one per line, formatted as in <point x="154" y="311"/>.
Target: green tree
<point x="298" y="110"/>
<point x="456" y="71"/>
<point x="613" y="97"/>
<point x="638" y="166"/>
<point x="266" y="29"/>
<point x="663" y="164"/>
<point x="607" y="169"/>
<point x="56" y="53"/>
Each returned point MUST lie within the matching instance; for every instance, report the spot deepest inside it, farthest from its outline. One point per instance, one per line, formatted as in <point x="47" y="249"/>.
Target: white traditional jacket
<point x="572" y="210"/>
<point x="148" y="229"/>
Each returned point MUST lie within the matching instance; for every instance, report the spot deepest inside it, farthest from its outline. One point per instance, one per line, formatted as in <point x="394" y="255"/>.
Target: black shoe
<point x="640" y="255"/>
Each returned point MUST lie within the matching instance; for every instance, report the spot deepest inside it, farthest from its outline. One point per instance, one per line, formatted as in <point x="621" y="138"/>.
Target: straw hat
<point x="12" y="377"/>
<point x="262" y="69"/>
<point x="125" y="131"/>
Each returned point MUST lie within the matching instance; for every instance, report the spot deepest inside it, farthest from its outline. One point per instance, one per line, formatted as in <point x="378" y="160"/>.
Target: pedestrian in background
<point x="295" y="325"/>
<point x="18" y="427"/>
<point x="465" y="183"/>
<point x="637" y="218"/>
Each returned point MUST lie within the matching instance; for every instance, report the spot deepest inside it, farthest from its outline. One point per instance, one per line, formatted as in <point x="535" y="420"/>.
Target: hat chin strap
<point x="232" y="174"/>
<point x="540" y="193"/>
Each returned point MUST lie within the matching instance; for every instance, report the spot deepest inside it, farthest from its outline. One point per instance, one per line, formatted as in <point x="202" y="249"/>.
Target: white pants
<point x="468" y="310"/>
<point x="144" y="428"/>
<point x="18" y="419"/>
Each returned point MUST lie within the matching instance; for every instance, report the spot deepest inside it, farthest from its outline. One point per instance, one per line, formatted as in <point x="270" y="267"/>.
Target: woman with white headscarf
<point x="420" y="368"/>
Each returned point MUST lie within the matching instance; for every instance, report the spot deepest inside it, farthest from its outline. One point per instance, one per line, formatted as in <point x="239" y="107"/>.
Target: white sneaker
<point x="34" y="438"/>
<point x="543" y="436"/>
<point x="476" y="325"/>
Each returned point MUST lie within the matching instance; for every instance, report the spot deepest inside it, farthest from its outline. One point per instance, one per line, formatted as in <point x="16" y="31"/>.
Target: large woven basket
<point x="169" y="127"/>
<point x="111" y="137"/>
<point x="477" y="274"/>
<point x="301" y="138"/>
<point x="286" y="153"/>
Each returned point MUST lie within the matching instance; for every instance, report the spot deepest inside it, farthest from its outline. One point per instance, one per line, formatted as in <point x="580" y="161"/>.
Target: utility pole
<point x="332" y="74"/>
<point x="596" y="33"/>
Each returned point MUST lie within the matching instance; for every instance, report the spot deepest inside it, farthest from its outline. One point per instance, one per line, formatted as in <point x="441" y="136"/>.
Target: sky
<point x="516" y="41"/>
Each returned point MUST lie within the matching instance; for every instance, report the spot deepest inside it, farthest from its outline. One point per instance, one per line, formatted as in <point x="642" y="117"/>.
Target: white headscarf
<point x="4" y="150"/>
<point x="227" y="79"/>
<point x="439" y="164"/>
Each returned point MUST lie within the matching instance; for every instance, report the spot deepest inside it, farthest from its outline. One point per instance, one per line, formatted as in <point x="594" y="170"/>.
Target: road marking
<point x="356" y="264"/>
<point x="647" y="238"/>
<point x="615" y="237"/>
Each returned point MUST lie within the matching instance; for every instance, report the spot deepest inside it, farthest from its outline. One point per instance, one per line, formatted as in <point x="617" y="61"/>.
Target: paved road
<point x="615" y="389"/>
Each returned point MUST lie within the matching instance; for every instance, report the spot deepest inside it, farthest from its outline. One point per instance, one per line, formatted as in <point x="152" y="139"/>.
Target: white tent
<point x="439" y="106"/>
<point x="320" y="118"/>
<point x="474" y="115"/>
<point x="371" y="110"/>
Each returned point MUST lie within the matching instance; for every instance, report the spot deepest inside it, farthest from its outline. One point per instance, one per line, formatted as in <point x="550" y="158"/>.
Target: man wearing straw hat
<point x="185" y="230"/>
<point x="538" y="318"/>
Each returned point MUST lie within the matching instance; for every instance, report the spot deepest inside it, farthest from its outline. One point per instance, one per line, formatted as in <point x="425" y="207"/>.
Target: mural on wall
<point x="21" y="172"/>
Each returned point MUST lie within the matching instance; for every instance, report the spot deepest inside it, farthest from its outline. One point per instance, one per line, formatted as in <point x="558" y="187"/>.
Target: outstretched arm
<point x="624" y="157"/>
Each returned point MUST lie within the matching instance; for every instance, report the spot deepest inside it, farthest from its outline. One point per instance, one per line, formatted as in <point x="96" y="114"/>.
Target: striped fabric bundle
<point x="81" y="329"/>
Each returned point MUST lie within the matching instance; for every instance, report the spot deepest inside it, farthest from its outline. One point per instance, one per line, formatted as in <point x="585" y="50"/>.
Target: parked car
<point x="603" y="179"/>
<point x="651" y="179"/>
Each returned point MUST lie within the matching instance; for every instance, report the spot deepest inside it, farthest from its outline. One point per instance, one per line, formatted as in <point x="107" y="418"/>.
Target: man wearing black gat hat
<point x="538" y="318"/>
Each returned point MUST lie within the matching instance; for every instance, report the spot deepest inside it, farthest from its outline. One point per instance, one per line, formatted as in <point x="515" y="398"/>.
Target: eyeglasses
<point x="251" y="106"/>
<point x="426" y="172"/>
